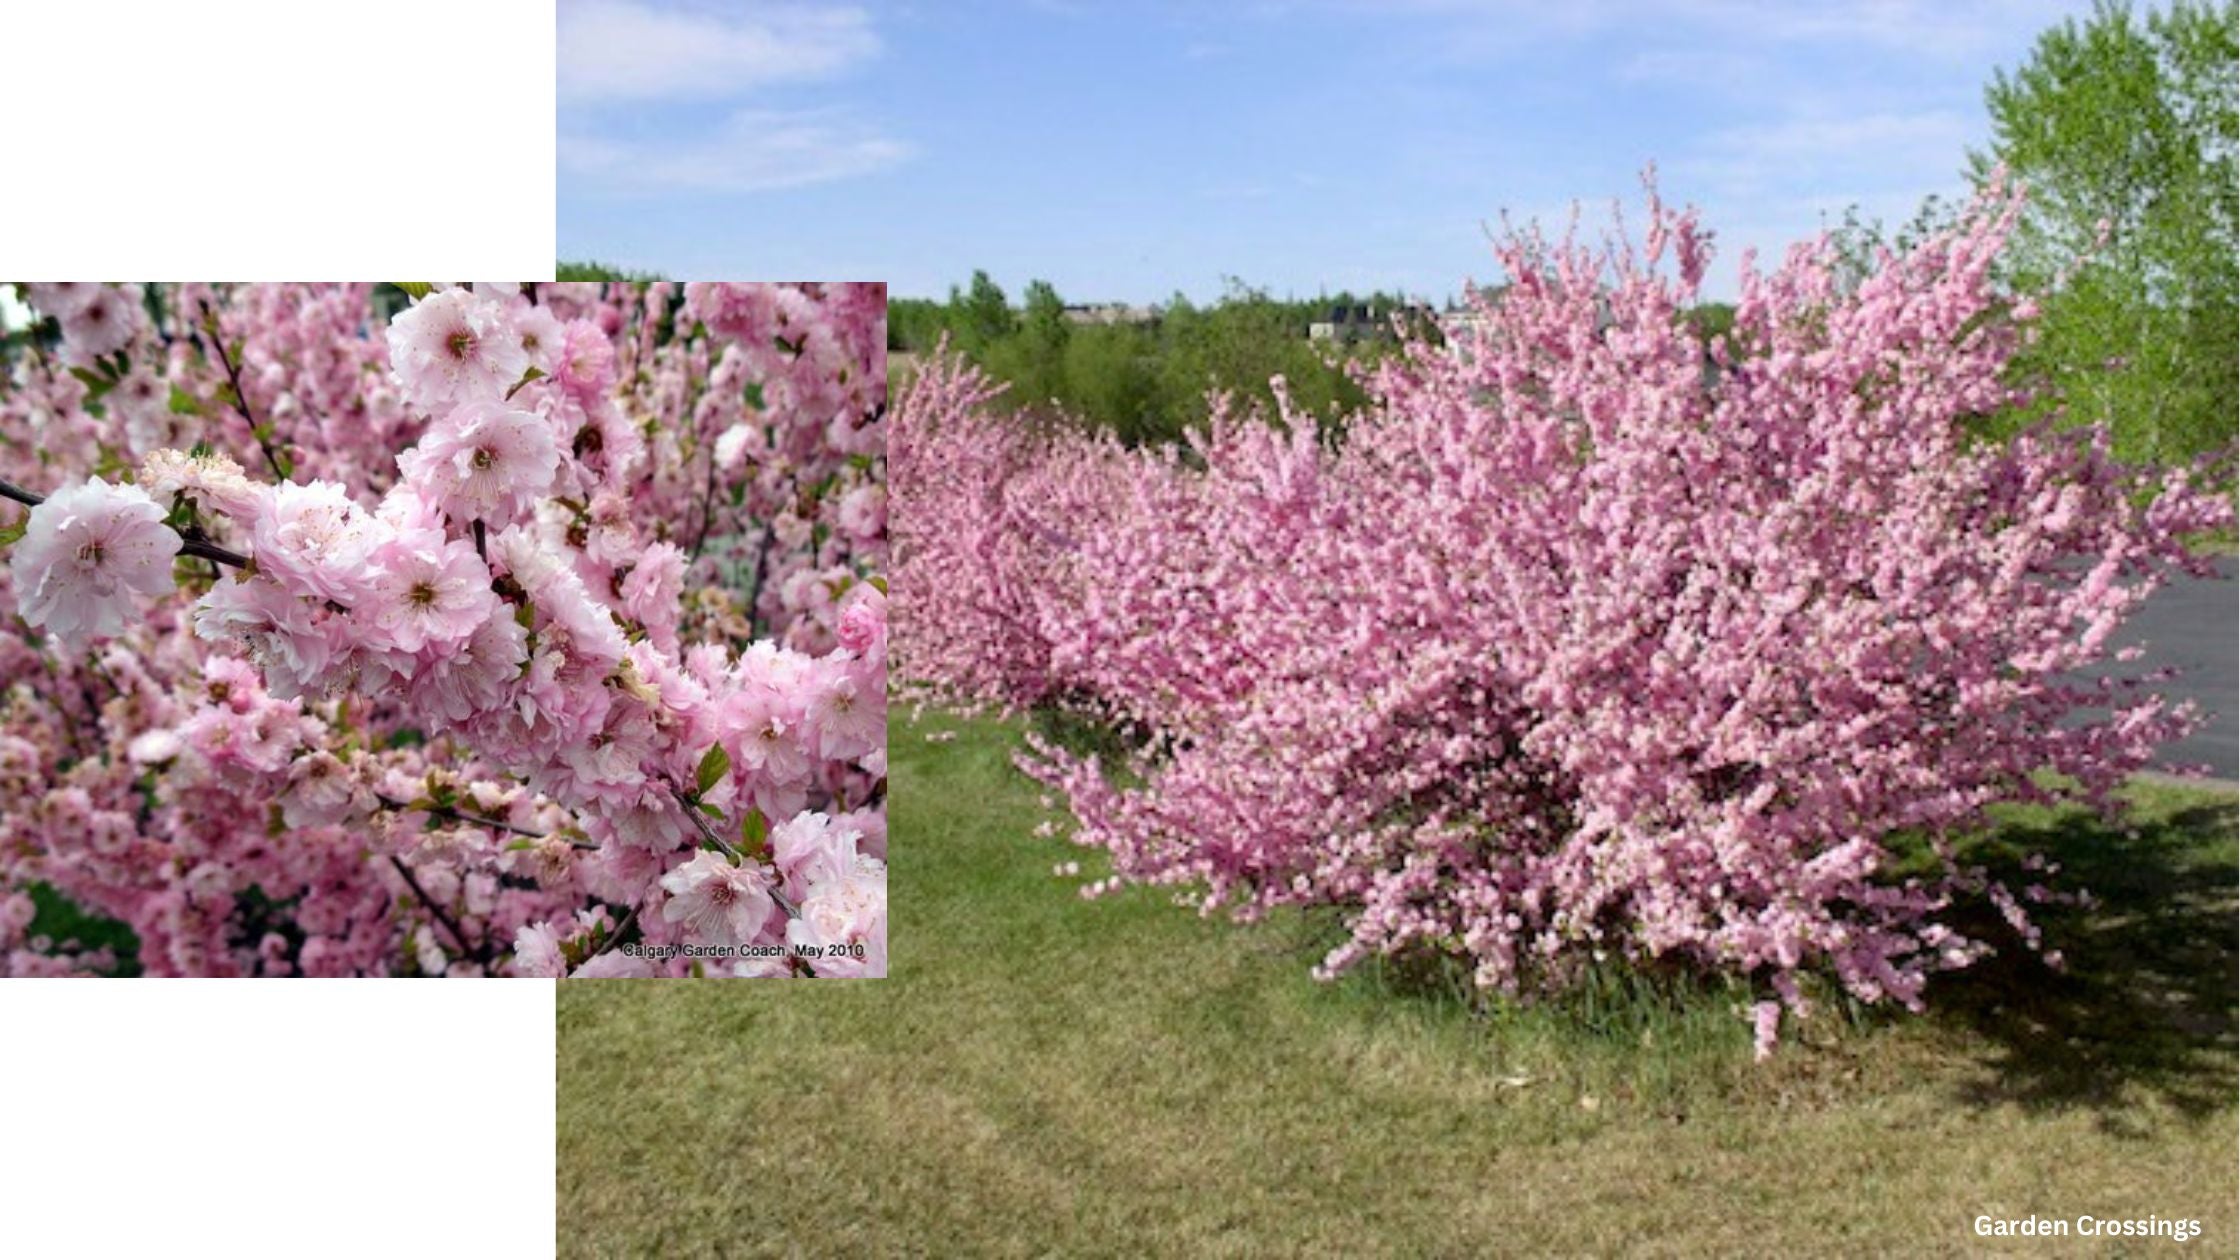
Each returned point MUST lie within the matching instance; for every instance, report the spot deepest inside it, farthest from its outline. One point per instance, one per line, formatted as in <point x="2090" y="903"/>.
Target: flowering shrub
<point x="545" y="637"/>
<point x="1586" y="638"/>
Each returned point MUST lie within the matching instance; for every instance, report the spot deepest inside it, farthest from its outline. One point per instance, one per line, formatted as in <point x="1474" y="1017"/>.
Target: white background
<point x="276" y="140"/>
<point x="303" y="140"/>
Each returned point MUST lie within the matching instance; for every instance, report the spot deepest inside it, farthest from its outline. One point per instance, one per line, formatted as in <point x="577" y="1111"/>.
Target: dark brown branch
<point x="707" y="508"/>
<point x="761" y="570"/>
<point x="189" y="544"/>
<point x="456" y="815"/>
<point x="217" y="339"/>
<point x="708" y="833"/>
<point x="443" y="916"/>
<point x="9" y="490"/>
<point x="614" y="938"/>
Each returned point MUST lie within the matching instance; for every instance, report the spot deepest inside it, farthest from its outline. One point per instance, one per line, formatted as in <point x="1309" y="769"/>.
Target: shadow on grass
<point x="2147" y="1005"/>
<point x="2148" y="1000"/>
<point x="2146" y="997"/>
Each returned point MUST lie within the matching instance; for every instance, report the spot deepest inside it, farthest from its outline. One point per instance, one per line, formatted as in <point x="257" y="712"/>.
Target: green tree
<point x="981" y="315"/>
<point x="1041" y="343"/>
<point x="2131" y="124"/>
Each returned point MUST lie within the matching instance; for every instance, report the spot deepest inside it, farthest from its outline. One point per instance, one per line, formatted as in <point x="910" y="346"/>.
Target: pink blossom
<point x="541" y="336"/>
<point x="584" y="362"/>
<point x="212" y="479"/>
<point x="863" y="511"/>
<point x="843" y="923"/>
<point x="453" y="347"/>
<point x="475" y="677"/>
<point x="613" y="965"/>
<point x="295" y="641"/>
<point x="863" y="625"/>
<point x="650" y="592"/>
<point x="483" y="461"/>
<point x="427" y="592"/>
<point x="321" y="792"/>
<point x="849" y="719"/>
<point x="731" y="446"/>
<point x="316" y="540"/>
<point x="62" y="299"/>
<point x="104" y="323"/>
<point x="85" y="553"/>
<point x="1765" y="1018"/>
<point x="810" y="848"/>
<point x="536" y="950"/>
<point x="715" y="902"/>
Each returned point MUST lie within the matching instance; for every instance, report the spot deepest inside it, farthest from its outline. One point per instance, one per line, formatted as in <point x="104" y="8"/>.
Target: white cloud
<point x="678" y="95"/>
<point x="754" y="151"/>
<point x="1937" y="24"/>
<point x="1909" y="149"/>
<point x="627" y="50"/>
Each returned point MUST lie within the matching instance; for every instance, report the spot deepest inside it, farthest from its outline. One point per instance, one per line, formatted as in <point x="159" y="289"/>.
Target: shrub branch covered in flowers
<point x="1587" y="638"/>
<point x="547" y="637"/>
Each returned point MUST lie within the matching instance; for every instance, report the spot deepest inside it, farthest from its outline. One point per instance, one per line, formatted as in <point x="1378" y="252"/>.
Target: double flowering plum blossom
<point x="484" y="671"/>
<point x="1589" y="638"/>
<point x="483" y="461"/>
<point x="427" y="592"/>
<point x="315" y="537"/>
<point x="88" y="554"/>
<point x="454" y="347"/>
<point x="842" y="927"/>
<point x="715" y="902"/>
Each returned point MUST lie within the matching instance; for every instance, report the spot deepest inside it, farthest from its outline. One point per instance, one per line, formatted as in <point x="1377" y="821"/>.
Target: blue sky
<point x="1127" y="151"/>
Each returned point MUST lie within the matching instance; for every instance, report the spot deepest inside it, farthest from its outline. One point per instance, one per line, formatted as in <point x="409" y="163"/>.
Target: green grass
<point x="62" y="922"/>
<point x="1121" y="1077"/>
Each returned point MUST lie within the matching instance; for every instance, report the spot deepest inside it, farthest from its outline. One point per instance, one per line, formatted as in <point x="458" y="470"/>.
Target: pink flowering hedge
<point x="1586" y="639"/>
<point x="528" y="631"/>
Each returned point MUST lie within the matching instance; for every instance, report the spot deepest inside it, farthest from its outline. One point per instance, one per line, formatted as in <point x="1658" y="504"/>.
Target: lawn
<point x="1046" y="1075"/>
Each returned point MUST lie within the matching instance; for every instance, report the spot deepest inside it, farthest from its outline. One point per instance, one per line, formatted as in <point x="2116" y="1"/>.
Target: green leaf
<point x="713" y="766"/>
<point x="753" y="831"/>
<point x="520" y="846"/>
<point x="95" y="385"/>
<point x="184" y="403"/>
<point x="711" y="811"/>
<point x="879" y="582"/>
<point x="417" y="291"/>
<point x="10" y="533"/>
<point x="534" y="373"/>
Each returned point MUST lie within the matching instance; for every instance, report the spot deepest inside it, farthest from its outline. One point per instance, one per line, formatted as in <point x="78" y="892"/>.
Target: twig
<point x="443" y="916"/>
<point x="189" y="544"/>
<point x="457" y="815"/>
<point x="754" y="588"/>
<point x="9" y="490"/>
<point x="708" y="833"/>
<point x="217" y="338"/>
<point x="614" y="938"/>
<point x="707" y="507"/>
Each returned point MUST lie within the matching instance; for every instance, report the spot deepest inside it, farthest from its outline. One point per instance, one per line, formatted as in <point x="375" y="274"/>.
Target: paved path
<point x="2194" y="624"/>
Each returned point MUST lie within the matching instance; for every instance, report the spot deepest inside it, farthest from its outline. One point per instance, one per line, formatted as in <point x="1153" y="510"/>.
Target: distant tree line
<point x="1146" y="379"/>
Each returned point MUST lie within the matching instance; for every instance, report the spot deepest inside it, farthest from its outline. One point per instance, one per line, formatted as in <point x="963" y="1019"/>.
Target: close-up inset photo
<point x="443" y="630"/>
